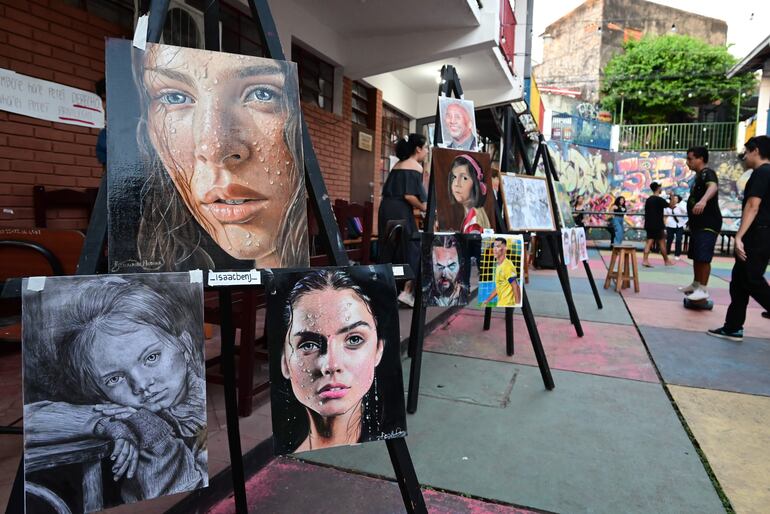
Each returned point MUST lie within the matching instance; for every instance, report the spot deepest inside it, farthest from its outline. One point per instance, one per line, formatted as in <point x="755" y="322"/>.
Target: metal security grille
<point x="181" y="29"/>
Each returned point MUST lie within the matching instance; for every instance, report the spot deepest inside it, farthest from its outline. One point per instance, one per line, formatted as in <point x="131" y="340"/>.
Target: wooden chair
<point x="246" y="303"/>
<point x="625" y="256"/>
<point x="32" y="252"/>
<point x="348" y="214"/>
<point x="43" y="200"/>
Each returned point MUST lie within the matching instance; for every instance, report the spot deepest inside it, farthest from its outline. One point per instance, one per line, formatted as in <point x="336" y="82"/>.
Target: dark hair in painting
<point x="501" y="240"/>
<point x="168" y="232"/>
<point x="406" y="147"/>
<point x="114" y="307"/>
<point x="299" y="427"/>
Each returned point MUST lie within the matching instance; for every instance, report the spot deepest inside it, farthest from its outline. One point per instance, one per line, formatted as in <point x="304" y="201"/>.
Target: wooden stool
<point x="625" y="255"/>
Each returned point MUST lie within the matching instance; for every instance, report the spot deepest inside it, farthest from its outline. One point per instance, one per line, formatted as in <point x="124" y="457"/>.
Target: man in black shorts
<point x="705" y="220"/>
<point x="752" y="242"/>
<point x="654" y="226"/>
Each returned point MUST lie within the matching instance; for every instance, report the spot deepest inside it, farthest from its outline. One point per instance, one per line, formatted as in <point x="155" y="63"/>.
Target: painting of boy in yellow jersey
<point x="500" y="282"/>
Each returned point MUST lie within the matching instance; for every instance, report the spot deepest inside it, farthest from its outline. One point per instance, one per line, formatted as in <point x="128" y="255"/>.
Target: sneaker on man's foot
<point x="688" y="289"/>
<point x="406" y="298"/>
<point x="676" y="258"/>
<point x="698" y="295"/>
<point x="736" y="335"/>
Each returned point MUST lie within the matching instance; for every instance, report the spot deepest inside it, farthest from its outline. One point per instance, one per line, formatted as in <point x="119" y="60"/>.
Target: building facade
<point x="579" y="45"/>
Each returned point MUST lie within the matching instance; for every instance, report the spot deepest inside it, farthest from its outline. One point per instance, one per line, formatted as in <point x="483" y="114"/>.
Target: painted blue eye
<point x="175" y="98"/>
<point x="260" y="94"/>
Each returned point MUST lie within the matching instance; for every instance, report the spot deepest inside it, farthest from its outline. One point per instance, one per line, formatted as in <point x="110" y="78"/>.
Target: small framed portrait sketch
<point x="527" y="203"/>
<point x="445" y="270"/>
<point x="114" y="390"/>
<point x="464" y="199"/>
<point x="500" y="272"/>
<point x="204" y="158"/>
<point x="458" y="124"/>
<point x="335" y="369"/>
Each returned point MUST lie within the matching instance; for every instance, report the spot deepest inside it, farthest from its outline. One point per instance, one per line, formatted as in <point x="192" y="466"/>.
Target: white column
<point x="764" y="100"/>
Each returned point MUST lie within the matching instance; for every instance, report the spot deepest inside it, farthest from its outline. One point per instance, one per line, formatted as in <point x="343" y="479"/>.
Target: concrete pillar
<point x="764" y="100"/>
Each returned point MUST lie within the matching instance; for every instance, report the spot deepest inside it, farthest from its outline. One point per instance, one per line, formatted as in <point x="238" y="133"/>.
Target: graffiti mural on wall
<point x="600" y="176"/>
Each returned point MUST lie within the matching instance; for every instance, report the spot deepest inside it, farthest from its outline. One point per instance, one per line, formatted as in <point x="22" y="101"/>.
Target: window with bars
<point x="240" y="34"/>
<point x="316" y="78"/>
<point x="362" y="105"/>
<point x="394" y="127"/>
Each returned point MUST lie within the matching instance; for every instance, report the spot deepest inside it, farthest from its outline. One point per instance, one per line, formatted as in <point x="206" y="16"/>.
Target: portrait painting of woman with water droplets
<point x="205" y="163"/>
<point x="335" y="367"/>
<point x="114" y="390"/>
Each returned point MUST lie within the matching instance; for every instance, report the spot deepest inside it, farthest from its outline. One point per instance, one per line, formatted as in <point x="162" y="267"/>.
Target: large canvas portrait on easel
<point x="464" y="199"/>
<point x="335" y="368"/>
<point x="204" y="156"/>
<point x="527" y="203"/>
<point x="114" y="390"/>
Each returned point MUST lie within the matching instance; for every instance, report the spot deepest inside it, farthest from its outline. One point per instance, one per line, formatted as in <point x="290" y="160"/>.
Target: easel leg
<point x="561" y="271"/>
<point x="231" y="400"/>
<point x="509" y="331"/>
<point x="16" y="500"/>
<point x="537" y="344"/>
<point x="487" y="317"/>
<point x="416" y="338"/>
<point x="406" y="476"/>
<point x="593" y="285"/>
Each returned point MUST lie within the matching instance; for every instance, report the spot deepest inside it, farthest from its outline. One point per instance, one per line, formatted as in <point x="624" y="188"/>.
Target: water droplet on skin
<point x="173" y="131"/>
<point x="248" y="243"/>
<point x="229" y="247"/>
<point x="261" y="159"/>
<point x="219" y="145"/>
<point x="288" y="162"/>
<point x="271" y="182"/>
<point x="204" y="147"/>
<point x="216" y="81"/>
<point x="248" y="235"/>
<point x="278" y="172"/>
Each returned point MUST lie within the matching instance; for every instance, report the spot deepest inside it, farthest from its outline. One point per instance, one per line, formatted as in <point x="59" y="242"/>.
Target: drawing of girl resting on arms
<point x="132" y="373"/>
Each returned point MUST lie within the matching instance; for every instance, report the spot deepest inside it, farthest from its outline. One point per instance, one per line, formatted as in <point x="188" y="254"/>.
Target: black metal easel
<point x="450" y="85"/>
<point x="92" y="261"/>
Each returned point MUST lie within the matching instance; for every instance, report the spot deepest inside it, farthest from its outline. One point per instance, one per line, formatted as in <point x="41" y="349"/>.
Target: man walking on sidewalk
<point x="705" y="220"/>
<point x="654" y="225"/>
<point x="752" y="242"/>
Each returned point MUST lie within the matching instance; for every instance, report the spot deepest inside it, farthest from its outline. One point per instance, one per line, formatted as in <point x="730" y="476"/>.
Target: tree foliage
<point x="662" y="78"/>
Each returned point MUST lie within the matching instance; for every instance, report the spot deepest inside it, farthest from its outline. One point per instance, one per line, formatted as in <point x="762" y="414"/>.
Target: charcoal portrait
<point x="114" y="390"/>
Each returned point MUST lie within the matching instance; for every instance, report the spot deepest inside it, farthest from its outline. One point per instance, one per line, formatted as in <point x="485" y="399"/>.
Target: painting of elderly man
<point x="458" y="124"/>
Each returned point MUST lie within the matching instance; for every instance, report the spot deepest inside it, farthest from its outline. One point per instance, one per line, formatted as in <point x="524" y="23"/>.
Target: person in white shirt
<point x="676" y="219"/>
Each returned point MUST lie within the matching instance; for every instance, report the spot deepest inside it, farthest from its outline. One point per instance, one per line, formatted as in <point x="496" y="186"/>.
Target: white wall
<point x="764" y="100"/>
<point x="395" y="93"/>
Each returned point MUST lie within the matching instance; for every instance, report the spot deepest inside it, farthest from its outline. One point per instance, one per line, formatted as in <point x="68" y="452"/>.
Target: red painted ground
<point x="608" y="350"/>
<point x="291" y="486"/>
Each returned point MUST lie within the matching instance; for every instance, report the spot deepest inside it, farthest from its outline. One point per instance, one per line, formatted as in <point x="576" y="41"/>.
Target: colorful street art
<point x="600" y="176"/>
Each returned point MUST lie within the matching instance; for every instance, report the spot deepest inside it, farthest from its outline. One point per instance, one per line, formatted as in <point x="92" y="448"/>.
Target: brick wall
<point x="331" y="135"/>
<point x="51" y="41"/>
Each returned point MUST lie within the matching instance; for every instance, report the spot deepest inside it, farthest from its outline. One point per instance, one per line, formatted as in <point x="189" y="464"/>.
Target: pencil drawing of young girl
<point x="130" y="371"/>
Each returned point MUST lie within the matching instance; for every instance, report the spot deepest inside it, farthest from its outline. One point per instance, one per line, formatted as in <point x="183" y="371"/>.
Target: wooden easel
<point x="450" y="85"/>
<point x="92" y="262"/>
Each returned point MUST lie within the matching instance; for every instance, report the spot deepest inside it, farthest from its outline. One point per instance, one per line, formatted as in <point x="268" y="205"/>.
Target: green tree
<point x="663" y="78"/>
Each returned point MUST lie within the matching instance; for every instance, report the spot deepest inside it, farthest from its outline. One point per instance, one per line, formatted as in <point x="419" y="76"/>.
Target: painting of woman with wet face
<point x="204" y="160"/>
<point x="114" y="390"/>
<point x="335" y="371"/>
<point x="465" y="202"/>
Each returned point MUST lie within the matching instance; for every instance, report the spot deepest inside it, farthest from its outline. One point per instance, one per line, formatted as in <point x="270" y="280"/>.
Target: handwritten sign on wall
<point x="50" y="101"/>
